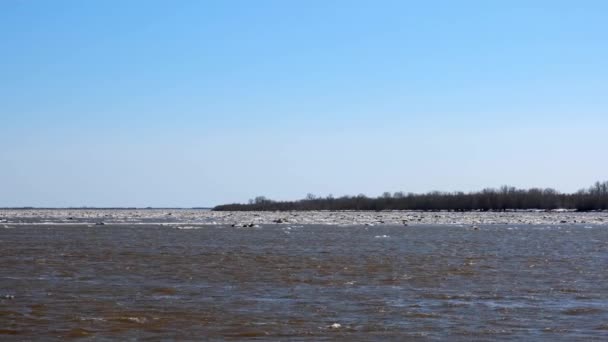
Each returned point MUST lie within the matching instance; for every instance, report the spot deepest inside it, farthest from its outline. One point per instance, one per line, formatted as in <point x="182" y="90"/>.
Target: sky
<point x="198" y="103"/>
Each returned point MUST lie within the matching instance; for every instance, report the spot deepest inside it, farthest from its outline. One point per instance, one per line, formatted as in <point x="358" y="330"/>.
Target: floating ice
<point x="340" y="218"/>
<point x="187" y="227"/>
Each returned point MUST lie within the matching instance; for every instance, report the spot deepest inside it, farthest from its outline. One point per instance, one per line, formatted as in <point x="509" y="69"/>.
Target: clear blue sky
<point x="195" y="103"/>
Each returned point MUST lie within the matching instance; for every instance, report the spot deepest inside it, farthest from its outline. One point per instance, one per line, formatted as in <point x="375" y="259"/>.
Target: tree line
<point x="501" y="199"/>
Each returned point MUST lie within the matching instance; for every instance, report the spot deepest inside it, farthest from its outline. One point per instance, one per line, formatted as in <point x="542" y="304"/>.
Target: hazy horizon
<point x="321" y="196"/>
<point x="199" y="103"/>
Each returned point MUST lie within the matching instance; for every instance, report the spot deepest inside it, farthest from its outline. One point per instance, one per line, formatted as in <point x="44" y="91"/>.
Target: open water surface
<point x="280" y="282"/>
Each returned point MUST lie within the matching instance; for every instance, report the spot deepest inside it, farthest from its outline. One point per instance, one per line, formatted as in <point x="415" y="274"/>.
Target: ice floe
<point x="252" y="219"/>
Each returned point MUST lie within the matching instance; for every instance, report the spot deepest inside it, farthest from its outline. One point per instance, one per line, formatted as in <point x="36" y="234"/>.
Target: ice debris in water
<point x="381" y="236"/>
<point x="194" y="216"/>
<point x="336" y="326"/>
<point x="187" y="227"/>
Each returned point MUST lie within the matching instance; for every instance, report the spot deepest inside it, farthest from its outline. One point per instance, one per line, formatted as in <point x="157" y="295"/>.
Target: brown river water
<point x="280" y="282"/>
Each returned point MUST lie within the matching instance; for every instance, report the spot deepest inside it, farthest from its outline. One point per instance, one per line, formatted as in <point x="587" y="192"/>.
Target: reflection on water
<point x="305" y="282"/>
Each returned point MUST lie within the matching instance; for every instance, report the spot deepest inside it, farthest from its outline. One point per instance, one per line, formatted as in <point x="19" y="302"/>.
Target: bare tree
<point x="503" y="198"/>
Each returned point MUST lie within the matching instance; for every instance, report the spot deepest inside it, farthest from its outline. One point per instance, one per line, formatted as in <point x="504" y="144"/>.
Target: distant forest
<point x="502" y="199"/>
